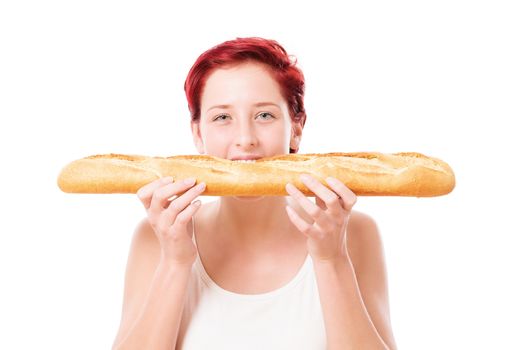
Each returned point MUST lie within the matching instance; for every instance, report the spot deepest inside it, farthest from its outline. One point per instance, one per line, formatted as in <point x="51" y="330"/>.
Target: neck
<point x="252" y="221"/>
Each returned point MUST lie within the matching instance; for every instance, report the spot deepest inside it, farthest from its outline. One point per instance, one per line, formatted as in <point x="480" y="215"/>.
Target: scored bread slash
<point x="365" y="173"/>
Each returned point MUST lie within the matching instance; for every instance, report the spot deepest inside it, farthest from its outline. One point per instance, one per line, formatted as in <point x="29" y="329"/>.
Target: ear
<point x="197" y="138"/>
<point x="296" y="134"/>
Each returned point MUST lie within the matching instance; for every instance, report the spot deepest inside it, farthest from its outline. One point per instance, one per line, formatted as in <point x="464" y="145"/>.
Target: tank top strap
<point x="193" y="228"/>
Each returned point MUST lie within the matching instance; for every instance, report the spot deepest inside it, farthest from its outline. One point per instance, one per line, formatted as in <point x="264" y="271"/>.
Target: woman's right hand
<point x="169" y="218"/>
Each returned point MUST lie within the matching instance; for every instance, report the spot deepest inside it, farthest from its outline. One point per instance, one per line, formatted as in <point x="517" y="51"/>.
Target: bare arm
<point x="348" y="325"/>
<point x="159" y="266"/>
<point x="353" y="292"/>
<point x="154" y="294"/>
<point x="159" y="319"/>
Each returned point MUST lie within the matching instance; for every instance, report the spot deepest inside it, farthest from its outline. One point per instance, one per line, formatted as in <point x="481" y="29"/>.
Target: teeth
<point x="245" y="160"/>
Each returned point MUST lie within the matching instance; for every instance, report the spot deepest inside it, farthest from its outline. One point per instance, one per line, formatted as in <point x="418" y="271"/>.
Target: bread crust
<point x="365" y="173"/>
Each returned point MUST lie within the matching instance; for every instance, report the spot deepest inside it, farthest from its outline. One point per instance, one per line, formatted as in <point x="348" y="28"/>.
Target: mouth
<point x="244" y="160"/>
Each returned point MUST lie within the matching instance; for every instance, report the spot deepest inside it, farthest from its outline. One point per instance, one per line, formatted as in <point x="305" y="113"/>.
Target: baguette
<point x="365" y="173"/>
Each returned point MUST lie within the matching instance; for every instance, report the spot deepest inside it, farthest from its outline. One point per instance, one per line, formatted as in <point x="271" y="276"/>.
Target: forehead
<point x="241" y="82"/>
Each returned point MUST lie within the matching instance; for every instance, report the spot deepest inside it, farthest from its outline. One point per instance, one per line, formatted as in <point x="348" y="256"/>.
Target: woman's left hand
<point x="330" y="214"/>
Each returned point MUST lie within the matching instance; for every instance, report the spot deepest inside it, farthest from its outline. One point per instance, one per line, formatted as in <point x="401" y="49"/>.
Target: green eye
<point x="222" y="115"/>
<point x="270" y="116"/>
<point x="267" y="114"/>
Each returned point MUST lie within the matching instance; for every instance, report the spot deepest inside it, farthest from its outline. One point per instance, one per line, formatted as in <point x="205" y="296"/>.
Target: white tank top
<point x="288" y="318"/>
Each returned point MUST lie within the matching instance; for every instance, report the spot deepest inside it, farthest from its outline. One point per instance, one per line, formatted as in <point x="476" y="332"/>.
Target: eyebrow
<point x="258" y="104"/>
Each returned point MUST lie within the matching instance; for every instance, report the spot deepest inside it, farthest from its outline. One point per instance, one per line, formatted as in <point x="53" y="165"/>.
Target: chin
<point x="248" y="198"/>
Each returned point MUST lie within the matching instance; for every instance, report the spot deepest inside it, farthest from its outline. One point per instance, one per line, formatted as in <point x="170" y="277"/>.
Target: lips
<point x="246" y="158"/>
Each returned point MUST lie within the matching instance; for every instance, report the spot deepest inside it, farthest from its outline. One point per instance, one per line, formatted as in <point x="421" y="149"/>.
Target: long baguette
<point x="365" y="173"/>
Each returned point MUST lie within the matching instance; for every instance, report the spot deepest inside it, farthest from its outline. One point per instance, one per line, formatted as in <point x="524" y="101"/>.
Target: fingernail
<point x="189" y="181"/>
<point x="305" y="178"/>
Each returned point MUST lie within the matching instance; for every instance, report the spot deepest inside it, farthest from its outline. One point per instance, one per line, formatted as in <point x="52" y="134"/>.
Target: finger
<point x="311" y="209"/>
<point x="145" y="192"/>
<point x="170" y="216"/>
<point x="330" y="198"/>
<point x="184" y="217"/>
<point x="161" y="196"/>
<point x="301" y="225"/>
<point x="347" y="196"/>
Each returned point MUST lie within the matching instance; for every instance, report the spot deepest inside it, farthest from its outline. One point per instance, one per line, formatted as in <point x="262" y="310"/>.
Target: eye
<point x="266" y="113"/>
<point x="219" y="117"/>
<point x="268" y="116"/>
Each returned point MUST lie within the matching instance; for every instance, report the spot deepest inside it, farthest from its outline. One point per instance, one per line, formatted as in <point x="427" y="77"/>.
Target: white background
<point x="442" y="78"/>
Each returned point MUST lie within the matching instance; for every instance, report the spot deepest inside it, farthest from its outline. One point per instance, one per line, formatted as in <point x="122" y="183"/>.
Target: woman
<point x="271" y="272"/>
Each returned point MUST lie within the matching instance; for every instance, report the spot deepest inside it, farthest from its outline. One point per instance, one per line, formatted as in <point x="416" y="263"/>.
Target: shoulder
<point x="144" y="234"/>
<point x="363" y="242"/>
<point x="142" y="262"/>
<point x="144" y="251"/>
<point x="365" y="249"/>
<point x="359" y="220"/>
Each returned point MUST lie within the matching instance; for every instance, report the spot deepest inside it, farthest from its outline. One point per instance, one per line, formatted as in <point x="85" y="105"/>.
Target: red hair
<point x="281" y="66"/>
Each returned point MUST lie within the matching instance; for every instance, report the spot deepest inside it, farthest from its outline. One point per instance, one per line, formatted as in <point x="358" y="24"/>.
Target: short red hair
<point x="281" y="65"/>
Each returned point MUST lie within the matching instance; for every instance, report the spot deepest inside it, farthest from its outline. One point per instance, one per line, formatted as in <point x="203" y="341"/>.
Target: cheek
<point x="216" y="141"/>
<point x="276" y="139"/>
<point x="279" y="132"/>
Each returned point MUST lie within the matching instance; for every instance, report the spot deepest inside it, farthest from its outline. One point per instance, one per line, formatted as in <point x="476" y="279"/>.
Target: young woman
<point x="271" y="272"/>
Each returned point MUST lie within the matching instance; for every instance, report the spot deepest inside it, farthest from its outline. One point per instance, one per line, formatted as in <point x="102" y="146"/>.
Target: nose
<point x="246" y="136"/>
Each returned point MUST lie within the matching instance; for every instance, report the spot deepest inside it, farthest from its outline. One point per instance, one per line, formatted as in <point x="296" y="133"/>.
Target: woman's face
<point x="243" y="114"/>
